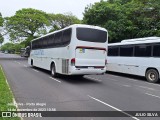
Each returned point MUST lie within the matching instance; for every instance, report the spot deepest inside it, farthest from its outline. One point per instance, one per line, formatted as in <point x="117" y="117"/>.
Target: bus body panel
<point x="62" y="56"/>
<point x="132" y="65"/>
<point x="135" y="65"/>
<point x="89" y="71"/>
<point x="88" y="54"/>
<point x="44" y="57"/>
<point x="90" y="57"/>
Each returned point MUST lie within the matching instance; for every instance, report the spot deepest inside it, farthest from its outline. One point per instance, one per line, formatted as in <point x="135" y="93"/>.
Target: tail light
<point x="73" y="61"/>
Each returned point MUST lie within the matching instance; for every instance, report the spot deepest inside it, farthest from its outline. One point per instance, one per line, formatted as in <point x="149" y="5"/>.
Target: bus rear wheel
<point x="53" y="71"/>
<point x="152" y="76"/>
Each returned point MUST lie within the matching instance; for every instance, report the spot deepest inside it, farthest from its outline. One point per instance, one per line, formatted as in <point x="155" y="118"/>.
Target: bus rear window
<point x="91" y="35"/>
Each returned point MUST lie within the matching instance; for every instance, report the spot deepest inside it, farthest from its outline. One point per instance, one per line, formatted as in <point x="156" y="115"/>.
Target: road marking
<point x="55" y="79"/>
<point x="17" y="62"/>
<point x="35" y="70"/>
<point x="25" y="65"/>
<point x="116" y="76"/>
<point x="126" y="85"/>
<point x="113" y="79"/>
<point x="93" y="78"/>
<point x="113" y="107"/>
<point x="152" y="95"/>
<point x="146" y="87"/>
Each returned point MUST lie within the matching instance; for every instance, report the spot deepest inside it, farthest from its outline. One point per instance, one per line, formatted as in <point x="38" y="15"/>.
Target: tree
<point x="1" y="20"/>
<point x="59" y="21"/>
<point x="125" y="19"/>
<point x="1" y="39"/>
<point x="8" y="47"/>
<point x="27" y="23"/>
<point x="1" y="24"/>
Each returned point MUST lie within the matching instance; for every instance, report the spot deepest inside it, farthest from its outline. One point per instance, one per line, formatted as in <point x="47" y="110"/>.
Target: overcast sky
<point x="76" y="7"/>
<point x="9" y="7"/>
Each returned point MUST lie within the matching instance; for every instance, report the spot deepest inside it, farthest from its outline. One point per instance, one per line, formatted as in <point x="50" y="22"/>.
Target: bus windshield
<point x="91" y="35"/>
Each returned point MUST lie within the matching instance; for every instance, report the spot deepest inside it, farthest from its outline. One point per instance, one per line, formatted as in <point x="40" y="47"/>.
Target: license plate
<point x="90" y="67"/>
<point x="81" y="50"/>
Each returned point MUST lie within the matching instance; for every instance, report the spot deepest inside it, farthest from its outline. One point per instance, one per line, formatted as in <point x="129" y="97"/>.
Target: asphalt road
<point x="10" y="56"/>
<point x="109" y="92"/>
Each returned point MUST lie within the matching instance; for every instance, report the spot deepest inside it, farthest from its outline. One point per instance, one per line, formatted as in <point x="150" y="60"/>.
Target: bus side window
<point x="143" y="51"/>
<point x="66" y="36"/>
<point x="156" y="50"/>
<point x="58" y="39"/>
<point x="113" y="51"/>
<point x="126" y="51"/>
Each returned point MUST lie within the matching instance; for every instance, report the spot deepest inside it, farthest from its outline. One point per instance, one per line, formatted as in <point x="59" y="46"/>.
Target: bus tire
<point x="53" y="70"/>
<point x="152" y="76"/>
<point x="79" y="76"/>
<point x="32" y="63"/>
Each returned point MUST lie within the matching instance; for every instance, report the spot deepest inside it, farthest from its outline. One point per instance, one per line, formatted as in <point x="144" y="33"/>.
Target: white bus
<point x="137" y="57"/>
<point x="74" y="50"/>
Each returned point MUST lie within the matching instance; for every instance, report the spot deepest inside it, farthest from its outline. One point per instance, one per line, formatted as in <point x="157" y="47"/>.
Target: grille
<point x="65" y="63"/>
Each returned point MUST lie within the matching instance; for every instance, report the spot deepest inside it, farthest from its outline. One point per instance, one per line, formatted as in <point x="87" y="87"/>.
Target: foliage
<point x="125" y="19"/>
<point x="59" y="21"/>
<point x="1" y="24"/>
<point x="1" y="20"/>
<point x="1" y="39"/>
<point x="12" y="48"/>
<point x="27" y="23"/>
<point x="8" y="47"/>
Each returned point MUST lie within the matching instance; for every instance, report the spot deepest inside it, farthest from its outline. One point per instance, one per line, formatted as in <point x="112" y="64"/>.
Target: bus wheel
<point x="152" y="76"/>
<point x="32" y="63"/>
<point x="53" y="71"/>
<point x="79" y="76"/>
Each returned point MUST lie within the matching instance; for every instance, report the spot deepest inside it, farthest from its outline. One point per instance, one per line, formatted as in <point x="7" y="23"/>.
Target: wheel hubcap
<point x="152" y="76"/>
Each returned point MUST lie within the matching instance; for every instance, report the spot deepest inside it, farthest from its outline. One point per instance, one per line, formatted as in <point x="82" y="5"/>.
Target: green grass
<point x="6" y="96"/>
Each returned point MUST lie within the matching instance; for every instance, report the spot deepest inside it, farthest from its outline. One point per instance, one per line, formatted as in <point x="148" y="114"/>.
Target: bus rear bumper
<point x="88" y="71"/>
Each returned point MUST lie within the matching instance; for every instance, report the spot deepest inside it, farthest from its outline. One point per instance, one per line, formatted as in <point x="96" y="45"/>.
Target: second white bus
<point x="74" y="50"/>
<point x="137" y="57"/>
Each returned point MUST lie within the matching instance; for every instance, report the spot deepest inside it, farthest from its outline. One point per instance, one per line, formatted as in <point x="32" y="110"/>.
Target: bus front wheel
<point x="152" y="76"/>
<point x="53" y="71"/>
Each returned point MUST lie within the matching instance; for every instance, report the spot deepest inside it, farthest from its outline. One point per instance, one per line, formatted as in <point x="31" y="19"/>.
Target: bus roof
<point x="72" y="26"/>
<point x="140" y="39"/>
<point x="137" y="41"/>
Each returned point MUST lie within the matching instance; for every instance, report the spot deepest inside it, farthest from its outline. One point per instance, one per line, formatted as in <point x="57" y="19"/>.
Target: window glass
<point x="58" y="39"/>
<point x="50" y="41"/>
<point x="143" y="51"/>
<point x="126" y="50"/>
<point x="91" y="35"/>
<point x="66" y="36"/>
<point x="156" y="50"/>
<point x="45" y="44"/>
<point x="112" y="51"/>
<point x="33" y="45"/>
<point x="55" y="40"/>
